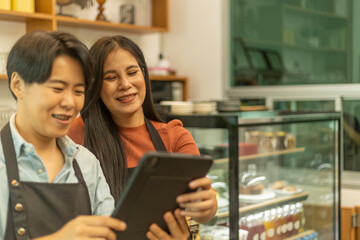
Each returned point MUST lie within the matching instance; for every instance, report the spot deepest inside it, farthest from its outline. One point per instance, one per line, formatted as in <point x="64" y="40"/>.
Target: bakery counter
<point x="271" y="170"/>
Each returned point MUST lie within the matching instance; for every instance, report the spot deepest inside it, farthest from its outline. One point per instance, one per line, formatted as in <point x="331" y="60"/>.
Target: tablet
<point x="153" y="187"/>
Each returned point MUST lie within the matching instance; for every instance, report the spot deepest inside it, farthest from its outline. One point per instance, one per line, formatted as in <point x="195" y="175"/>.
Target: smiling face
<point x="47" y="110"/>
<point x="123" y="90"/>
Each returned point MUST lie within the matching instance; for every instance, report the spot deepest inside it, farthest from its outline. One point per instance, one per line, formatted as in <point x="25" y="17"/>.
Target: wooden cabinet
<point x="45" y="18"/>
<point x="350" y="222"/>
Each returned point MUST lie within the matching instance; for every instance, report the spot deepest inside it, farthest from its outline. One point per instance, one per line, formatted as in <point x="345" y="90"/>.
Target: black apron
<point x="159" y="147"/>
<point x="35" y="208"/>
<point x="156" y="140"/>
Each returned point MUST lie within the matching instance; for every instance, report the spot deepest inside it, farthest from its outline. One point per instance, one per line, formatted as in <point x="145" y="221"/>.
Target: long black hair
<point x="101" y="133"/>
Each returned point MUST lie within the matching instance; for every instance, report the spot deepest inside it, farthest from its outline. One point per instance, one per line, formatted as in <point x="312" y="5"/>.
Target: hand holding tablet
<point x="153" y="188"/>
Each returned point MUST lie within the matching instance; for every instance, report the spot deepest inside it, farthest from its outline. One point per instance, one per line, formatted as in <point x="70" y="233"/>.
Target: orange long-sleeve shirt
<point x="137" y="140"/>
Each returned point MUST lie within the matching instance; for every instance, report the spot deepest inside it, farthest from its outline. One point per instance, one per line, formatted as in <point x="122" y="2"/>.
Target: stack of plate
<point x="228" y="106"/>
<point x="204" y="107"/>
<point x="179" y="107"/>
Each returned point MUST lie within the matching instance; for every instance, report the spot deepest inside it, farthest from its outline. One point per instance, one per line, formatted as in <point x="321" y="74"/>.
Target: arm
<point x="200" y="205"/>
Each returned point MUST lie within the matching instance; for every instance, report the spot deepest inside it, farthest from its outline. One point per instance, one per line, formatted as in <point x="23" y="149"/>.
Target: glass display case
<point x="276" y="177"/>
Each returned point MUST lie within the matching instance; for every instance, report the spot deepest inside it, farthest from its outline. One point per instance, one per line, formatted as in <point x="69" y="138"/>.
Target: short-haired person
<point x="119" y="124"/>
<point x="50" y="185"/>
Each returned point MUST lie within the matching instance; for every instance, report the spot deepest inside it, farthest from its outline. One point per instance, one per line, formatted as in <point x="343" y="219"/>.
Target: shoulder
<point x="77" y="131"/>
<point x="76" y="151"/>
<point x="174" y="128"/>
<point x="173" y="124"/>
<point x="176" y="137"/>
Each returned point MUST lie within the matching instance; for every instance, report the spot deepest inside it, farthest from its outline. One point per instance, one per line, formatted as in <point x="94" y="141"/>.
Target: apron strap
<point x="78" y="173"/>
<point x="15" y="188"/>
<point x="159" y="147"/>
<point x="9" y="153"/>
<point x="155" y="137"/>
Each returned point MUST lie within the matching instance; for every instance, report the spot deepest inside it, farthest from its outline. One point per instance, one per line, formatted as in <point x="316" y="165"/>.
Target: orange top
<point x="175" y="137"/>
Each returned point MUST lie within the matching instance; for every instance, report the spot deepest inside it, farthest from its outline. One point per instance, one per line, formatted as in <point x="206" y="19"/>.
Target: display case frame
<point x="232" y="122"/>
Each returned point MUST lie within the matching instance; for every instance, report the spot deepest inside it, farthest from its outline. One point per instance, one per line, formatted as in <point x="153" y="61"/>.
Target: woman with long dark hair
<point x="119" y="124"/>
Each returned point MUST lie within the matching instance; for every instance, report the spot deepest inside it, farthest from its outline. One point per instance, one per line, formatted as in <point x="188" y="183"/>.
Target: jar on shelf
<point x="267" y="143"/>
<point x="250" y="182"/>
<point x="259" y="221"/>
<point x="300" y="211"/>
<point x="290" y="141"/>
<point x="280" y="224"/>
<point x="280" y="140"/>
<point x="296" y="219"/>
<point x="269" y="222"/>
<point x="252" y="137"/>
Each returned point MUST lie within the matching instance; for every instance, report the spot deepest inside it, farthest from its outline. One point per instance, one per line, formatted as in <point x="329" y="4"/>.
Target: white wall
<point x="10" y="32"/>
<point x="194" y="45"/>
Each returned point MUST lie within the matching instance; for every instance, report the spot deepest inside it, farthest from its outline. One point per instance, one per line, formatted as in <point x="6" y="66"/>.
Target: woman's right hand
<point x="177" y="225"/>
<point x="88" y="227"/>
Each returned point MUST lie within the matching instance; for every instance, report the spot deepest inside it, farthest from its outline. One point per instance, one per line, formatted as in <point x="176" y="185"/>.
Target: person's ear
<point x="16" y="85"/>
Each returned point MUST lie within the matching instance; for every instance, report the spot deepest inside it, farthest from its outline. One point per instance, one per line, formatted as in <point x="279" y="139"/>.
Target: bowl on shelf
<point x="179" y="107"/>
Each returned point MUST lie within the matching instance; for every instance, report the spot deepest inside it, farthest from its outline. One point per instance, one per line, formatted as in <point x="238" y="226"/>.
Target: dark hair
<point x="33" y="55"/>
<point x="101" y="132"/>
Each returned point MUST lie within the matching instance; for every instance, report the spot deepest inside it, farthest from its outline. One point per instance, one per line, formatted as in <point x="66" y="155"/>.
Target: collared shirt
<point x="32" y="169"/>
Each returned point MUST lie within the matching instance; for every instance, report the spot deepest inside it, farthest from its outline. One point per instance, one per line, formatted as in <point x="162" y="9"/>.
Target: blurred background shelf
<point x="262" y="155"/>
<point x="257" y="207"/>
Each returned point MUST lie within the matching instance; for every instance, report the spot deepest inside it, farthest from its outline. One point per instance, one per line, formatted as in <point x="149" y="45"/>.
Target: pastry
<point x="290" y="189"/>
<point x="278" y="185"/>
<point x="253" y="190"/>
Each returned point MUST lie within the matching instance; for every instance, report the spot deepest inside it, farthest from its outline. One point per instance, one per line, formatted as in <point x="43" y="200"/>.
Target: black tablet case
<point x="152" y="190"/>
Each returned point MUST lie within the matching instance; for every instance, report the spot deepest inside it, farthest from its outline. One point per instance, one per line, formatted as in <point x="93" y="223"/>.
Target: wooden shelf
<point x="282" y="45"/>
<point x="317" y="49"/>
<point x="299" y="235"/>
<point x="268" y="204"/>
<point x="3" y="77"/>
<point x="100" y="25"/>
<point x="45" y="18"/>
<point x="263" y="42"/>
<point x="253" y="108"/>
<point x="168" y="78"/>
<point x="262" y="155"/>
<point x="315" y="13"/>
<point x="23" y="16"/>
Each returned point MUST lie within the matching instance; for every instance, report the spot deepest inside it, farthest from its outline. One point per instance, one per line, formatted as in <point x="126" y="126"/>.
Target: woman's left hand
<point x="177" y="226"/>
<point x="200" y="205"/>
